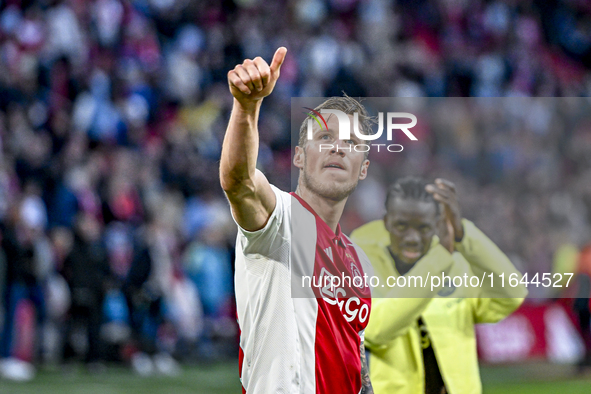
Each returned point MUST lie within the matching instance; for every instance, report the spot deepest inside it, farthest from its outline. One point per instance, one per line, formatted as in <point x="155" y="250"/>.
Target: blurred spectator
<point x="146" y="288"/>
<point x="29" y="262"/>
<point x="207" y="263"/>
<point x="87" y="273"/>
<point x="58" y="296"/>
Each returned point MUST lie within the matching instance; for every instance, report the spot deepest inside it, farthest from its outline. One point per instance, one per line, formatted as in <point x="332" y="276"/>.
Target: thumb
<point x="278" y="59"/>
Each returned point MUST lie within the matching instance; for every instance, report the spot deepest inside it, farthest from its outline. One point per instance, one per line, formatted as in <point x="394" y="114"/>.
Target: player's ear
<point x="298" y="158"/>
<point x="363" y="172"/>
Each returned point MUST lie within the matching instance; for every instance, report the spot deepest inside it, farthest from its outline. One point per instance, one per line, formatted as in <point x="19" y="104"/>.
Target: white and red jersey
<point x="295" y="338"/>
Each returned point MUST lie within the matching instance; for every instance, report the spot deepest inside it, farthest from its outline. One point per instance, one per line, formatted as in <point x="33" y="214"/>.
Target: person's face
<point x="332" y="173"/>
<point x="411" y="224"/>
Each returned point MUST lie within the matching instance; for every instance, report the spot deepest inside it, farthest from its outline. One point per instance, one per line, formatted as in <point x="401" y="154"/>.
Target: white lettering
<point x="395" y="151"/>
<point x="345" y="125"/>
<point x="368" y="137"/>
<point x="404" y="126"/>
<point x="351" y="314"/>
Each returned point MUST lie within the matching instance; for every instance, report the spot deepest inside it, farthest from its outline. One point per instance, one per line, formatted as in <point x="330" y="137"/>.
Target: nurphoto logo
<point x="345" y="129"/>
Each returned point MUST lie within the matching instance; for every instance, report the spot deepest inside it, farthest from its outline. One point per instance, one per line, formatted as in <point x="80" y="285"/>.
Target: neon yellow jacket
<point x="392" y="335"/>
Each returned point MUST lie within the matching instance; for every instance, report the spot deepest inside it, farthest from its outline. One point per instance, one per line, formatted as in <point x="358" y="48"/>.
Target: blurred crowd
<point x="117" y="242"/>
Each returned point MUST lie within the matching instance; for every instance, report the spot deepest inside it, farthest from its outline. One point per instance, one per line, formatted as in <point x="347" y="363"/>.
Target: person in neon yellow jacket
<point x="426" y="344"/>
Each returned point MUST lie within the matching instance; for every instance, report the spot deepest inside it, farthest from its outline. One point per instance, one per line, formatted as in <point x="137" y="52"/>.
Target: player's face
<point x="411" y="224"/>
<point x="331" y="168"/>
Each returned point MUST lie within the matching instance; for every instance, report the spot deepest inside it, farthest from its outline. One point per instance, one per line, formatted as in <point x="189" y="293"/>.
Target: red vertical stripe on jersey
<point x="342" y="312"/>
<point x="338" y="363"/>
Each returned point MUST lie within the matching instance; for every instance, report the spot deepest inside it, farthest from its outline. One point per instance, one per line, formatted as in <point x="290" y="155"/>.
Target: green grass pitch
<point x="223" y="379"/>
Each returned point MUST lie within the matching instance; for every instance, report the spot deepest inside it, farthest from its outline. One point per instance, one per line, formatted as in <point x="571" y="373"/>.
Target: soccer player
<point x="427" y="345"/>
<point x="313" y="342"/>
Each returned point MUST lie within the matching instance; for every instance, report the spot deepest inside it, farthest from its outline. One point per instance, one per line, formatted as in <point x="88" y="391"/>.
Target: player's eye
<point x="325" y="136"/>
<point x="424" y="229"/>
<point x="400" y="226"/>
<point x="350" y="142"/>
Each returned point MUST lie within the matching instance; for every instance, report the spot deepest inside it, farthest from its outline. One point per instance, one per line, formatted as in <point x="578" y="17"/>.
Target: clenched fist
<point x="254" y="79"/>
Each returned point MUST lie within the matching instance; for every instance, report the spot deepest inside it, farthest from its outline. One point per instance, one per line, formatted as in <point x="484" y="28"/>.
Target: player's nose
<point x="341" y="147"/>
<point x="412" y="238"/>
<point x="337" y="150"/>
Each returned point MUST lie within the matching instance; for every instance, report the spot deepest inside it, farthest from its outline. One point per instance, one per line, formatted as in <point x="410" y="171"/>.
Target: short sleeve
<point x="268" y="240"/>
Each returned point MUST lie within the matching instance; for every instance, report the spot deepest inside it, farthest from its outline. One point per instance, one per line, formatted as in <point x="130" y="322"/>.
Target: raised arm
<point x="481" y="252"/>
<point x="250" y="195"/>
<point x="394" y="314"/>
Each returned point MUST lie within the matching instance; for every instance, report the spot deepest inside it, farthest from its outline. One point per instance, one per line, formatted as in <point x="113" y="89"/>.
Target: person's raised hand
<point x="444" y="192"/>
<point x="255" y="79"/>
<point x="446" y="234"/>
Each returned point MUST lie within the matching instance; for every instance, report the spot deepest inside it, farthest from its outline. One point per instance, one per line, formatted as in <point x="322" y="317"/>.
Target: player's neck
<point x="401" y="266"/>
<point x="329" y="210"/>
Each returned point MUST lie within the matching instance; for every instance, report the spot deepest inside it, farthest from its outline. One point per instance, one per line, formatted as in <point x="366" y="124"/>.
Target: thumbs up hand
<point x="255" y="79"/>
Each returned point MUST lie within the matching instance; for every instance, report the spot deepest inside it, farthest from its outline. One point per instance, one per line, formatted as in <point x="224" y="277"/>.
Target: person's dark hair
<point x="349" y="106"/>
<point x="410" y="188"/>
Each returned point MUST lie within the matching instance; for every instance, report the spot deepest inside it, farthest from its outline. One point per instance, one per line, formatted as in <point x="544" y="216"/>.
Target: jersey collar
<point x="337" y="237"/>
